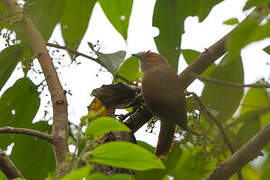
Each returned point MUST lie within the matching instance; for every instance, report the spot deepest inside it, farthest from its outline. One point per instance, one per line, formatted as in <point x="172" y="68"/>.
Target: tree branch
<point x="231" y="84"/>
<point x="248" y="152"/>
<point x="29" y="132"/>
<point x="7" y="167"/>
<point x="211" y="54"/>
<point x="58" y="98"/>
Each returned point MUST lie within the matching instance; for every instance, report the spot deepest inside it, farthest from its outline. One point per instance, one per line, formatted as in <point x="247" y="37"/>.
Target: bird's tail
<point x="165" y="139"/>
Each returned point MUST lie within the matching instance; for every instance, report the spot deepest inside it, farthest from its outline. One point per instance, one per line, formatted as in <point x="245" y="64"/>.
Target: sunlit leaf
<point x="78" y="174"/>
<point x="125" y="155"/>
<point x="255" y="99"/>
<point x="130" y="69"/>
<point x="103" y="125"/>
<point x="232" y="21"/>
<point x="118" y="13"/>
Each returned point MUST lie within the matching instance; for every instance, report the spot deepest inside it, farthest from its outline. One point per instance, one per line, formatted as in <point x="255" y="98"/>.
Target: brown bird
<point x="163" y="94"/>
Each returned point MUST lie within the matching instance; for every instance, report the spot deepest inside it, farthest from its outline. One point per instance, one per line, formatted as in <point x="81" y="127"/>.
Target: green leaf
<point x="19" y="104"/>
<point x="265" y="118"/>
<point x="146" y="146"/>
<point x="250" y="127"/>
<point x="190" y="55"/>
<point x="267" y="50"/>
<point x="75" y="20"/>
<point x="156" y="174"/>
<point x="248" y="32"/>
<point x="99" y="176"/>
<point x="191" y="166"/>
<point x="2" y="176"/>
<point x="169" y="17"/>
<point x="46" y="14"/>
<point x="257" y="3"/>
<point x="103" y="125"/>
<point x="9" y="57"/>
<point x="112" y="61"/>
<point x="205" y="8"/>
<point x="118" y="13"/>
<point x="126" y="155"/>
<point x="249" y="172"/>
<point x="223" y="100"/>
<point x="79" y="174"/>
<point x="18" y="107"/>
<point x="130" y="69"/>
<point x="173" y="158"/>
<point x="232" y="21"/>
<point x="265" y="171"/>
<point x="39" y="152"/>
<point x="254" y="100"/>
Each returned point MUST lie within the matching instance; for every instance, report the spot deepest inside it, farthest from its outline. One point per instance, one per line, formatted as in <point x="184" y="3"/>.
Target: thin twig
<point x="231" y="84"/>
<point x="30" y="132"/>
<point x="7" y="167"/>
<point x="74" y="52"/>
<point x="220" y="127"/>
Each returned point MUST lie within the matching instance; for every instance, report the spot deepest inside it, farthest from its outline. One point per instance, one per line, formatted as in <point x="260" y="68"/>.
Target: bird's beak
<point x="136" y="55"/>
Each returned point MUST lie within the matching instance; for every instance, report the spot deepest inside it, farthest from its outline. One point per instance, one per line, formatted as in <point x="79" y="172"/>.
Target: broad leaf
<point x="46" y="14"/>
<point x="38" y="151"/>
<point x="18" y="107"/>
<point x="75" y="20"/>
<point x="255" y="99"/>
<point x="9" y="57"/>
<point x="223" y="100"/>
<point x="191" y="166"/>
<point x="250" y="127"/>
<point x="99" y="176"/>
<point x="257" y="3"/>
<point x="157" y="174"/>
<point x="19" y="104"/>
<point x="103" y="125"/>
<point x="125" y="155"/>
<point x="130" y="69"/>
<point x="248" y="32"/>
<point x="118" y="13"/>
<point x="169" y="17"/>
<point x="79" y="174"/>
